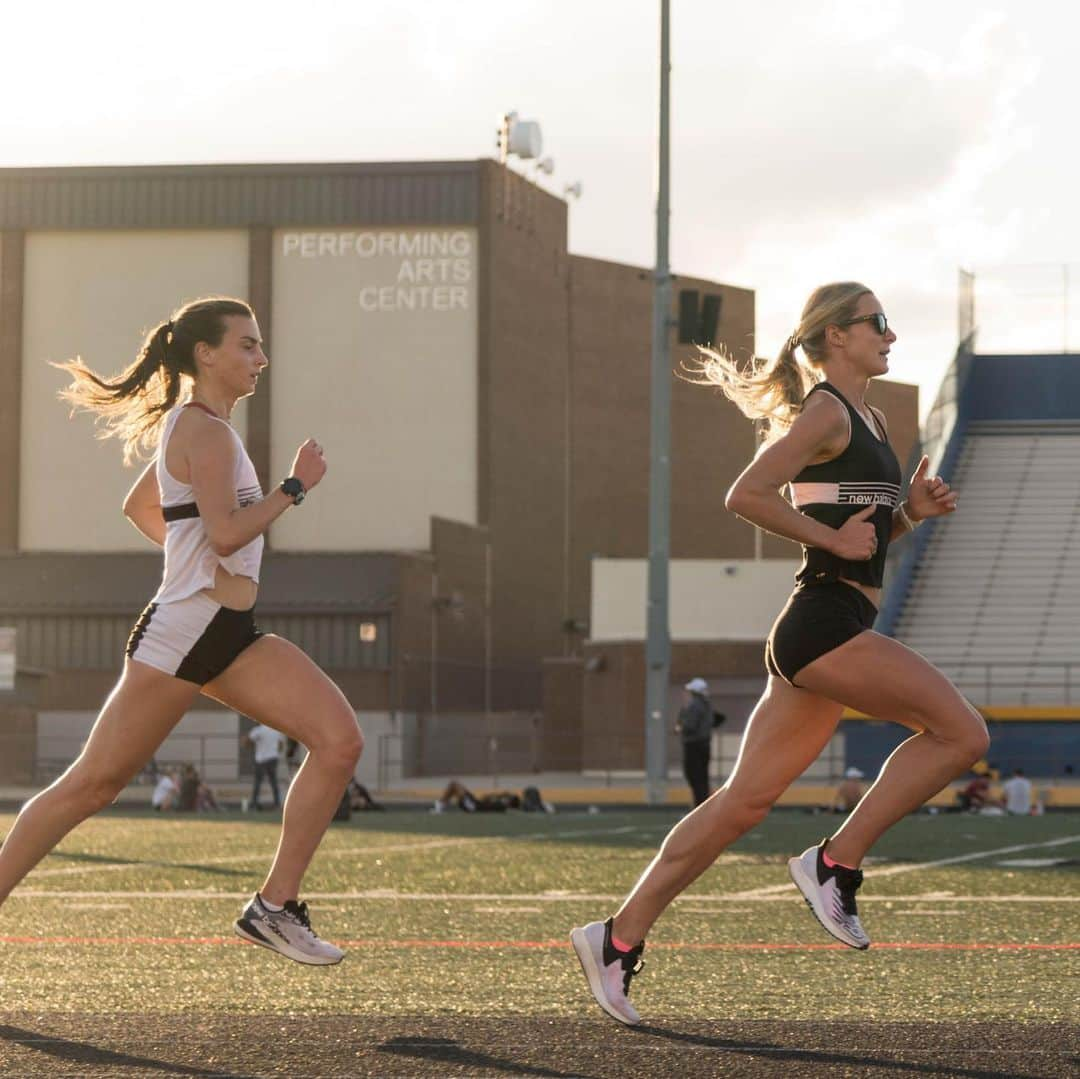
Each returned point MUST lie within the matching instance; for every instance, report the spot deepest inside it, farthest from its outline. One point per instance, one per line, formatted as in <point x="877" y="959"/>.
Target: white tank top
<point x="190" y="561"/>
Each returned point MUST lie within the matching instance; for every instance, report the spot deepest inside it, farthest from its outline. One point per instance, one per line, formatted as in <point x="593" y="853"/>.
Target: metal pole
<point x="1065" y="307"/>
<point x="658" y="644"/>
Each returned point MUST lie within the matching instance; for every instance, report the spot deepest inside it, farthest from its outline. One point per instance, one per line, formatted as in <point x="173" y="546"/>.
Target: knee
<point x="92" y="791"/>
<point x="747" y="814"/>
<point x="967" y="738"/>
<point x="744" y="810"/>
<point x="974" y="742"/>
<point x="342" y="747"/>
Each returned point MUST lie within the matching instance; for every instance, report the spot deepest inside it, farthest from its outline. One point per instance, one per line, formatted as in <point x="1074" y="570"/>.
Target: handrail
<point x="990" y="681"/>
<point x="943" y="435"/>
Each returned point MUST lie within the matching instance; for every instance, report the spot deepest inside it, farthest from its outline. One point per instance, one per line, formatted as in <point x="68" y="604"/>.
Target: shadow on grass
<point x="917" y="838"/>
<point x="75" y="1052"/>
<point x="106" y="859"/>
<point x="795" y="1056"/>
<point x="449" y="1051"/>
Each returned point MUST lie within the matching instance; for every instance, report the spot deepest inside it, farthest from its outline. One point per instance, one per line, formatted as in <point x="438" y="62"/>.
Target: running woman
<point x="201" y="501"/>
<point x="832" y="448"/>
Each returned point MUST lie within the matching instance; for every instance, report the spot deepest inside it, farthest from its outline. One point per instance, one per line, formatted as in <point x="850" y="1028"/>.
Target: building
<point x="481" y="394"/>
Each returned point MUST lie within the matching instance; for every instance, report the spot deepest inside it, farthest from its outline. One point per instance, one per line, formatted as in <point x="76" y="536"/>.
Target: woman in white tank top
<point x="200" y="500"/>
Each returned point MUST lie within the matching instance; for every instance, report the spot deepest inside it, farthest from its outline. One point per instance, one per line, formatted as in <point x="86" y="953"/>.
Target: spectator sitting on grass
<point x="360" y="797"/>
<point x="976" y="795"/>
<point x="458" y="794"/>
<point x="165" y="792"/>
<point x="1017" y="793"/>
<point x="195" y="795"/>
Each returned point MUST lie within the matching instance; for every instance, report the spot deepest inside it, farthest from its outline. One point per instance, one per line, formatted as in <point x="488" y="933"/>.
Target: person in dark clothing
<point x="695" y="725"/>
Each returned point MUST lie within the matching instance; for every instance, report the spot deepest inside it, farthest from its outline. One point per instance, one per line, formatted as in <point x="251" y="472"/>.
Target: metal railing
<point x="1014" y="682"/>
<point x="497" y="756"/>
<point x="216" y="756"/>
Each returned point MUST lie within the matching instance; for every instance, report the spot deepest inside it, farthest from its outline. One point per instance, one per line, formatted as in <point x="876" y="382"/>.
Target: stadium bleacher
<point x="995" y="598"/>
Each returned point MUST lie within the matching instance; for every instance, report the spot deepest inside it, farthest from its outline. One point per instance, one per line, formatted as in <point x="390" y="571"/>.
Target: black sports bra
<point x="866" y="473"/>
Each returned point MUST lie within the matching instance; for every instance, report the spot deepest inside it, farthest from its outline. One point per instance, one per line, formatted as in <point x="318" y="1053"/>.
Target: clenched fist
<point x="856" y="538"/>
<point x="309" y="465"/>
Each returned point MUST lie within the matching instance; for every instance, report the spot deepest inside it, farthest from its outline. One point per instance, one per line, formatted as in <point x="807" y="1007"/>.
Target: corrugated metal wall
<point x="96" y="643"/>
<point x="239" y="196"/>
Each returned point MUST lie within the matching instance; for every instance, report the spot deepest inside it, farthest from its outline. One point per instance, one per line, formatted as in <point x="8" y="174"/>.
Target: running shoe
<point x="287" y="932"/>
<point x="829" y="892"/>
<point x="608" y="970"/>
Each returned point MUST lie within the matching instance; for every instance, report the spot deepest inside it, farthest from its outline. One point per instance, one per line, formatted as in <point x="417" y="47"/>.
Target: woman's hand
<point x="929" y="496"/>
<point x="309" y="465"/>
<point x="856" y="539"/>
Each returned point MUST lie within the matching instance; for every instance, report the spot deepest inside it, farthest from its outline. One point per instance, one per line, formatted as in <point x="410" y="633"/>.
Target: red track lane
<point x="925" y="946"/>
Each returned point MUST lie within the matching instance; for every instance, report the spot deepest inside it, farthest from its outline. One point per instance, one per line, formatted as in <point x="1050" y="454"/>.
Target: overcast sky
<point x="889" y="142"/>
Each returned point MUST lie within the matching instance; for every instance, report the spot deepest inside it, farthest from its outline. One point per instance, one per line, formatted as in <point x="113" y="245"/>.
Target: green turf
<point x="512" y="865"/>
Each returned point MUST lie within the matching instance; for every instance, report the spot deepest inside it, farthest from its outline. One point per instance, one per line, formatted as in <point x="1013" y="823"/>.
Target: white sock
<point x="270" y="906"/>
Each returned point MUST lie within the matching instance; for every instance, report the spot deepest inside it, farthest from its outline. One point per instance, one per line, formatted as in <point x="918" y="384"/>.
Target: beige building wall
<point x="94" y="294"/>
<point x="375" y="355"/>
<point x="735" y="600"/>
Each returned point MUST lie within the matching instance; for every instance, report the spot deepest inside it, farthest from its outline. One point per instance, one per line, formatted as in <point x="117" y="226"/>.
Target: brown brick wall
<point x="523" y="386"/>
<point x="18" y="743"/>
<point x="611" y="315"/>
<point x="613" y="694"/>
<point x="562" y="720"/>
<point x="412" y="634"/>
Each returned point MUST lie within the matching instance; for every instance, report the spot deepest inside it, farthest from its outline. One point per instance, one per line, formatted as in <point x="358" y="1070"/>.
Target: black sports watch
<point x="294" y="489"/>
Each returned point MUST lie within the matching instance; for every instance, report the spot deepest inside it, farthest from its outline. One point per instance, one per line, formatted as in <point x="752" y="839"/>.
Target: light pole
<point x="658" y="642"/>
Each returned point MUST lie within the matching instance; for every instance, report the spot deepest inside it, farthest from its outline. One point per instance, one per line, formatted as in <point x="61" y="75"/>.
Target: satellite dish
<point x="546" y="165"/>
<point x="525" y="139"/>
<point x="573" y="190"/>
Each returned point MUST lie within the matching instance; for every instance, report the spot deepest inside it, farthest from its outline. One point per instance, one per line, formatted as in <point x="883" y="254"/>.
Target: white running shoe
<point x="830" y="894"/>
<point x="608" y="970"/>
<point x="287" y="932"/>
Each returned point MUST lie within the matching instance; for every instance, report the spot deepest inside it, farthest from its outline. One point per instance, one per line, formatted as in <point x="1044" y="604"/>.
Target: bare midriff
<point x="871" y="593"/>
<point x="233" y="591"/>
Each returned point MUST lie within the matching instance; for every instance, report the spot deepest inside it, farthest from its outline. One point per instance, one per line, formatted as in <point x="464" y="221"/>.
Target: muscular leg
<point x="139" y="714"/>
<point x="788" y="729"/>
<point x="883" y="678"/>
<point x="277" y="684"/>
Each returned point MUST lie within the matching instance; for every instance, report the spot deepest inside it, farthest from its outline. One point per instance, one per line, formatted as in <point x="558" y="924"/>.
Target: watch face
<point x="294" y="489"/>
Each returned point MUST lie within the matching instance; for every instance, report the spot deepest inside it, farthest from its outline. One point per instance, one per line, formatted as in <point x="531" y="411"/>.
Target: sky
<point x="889" y="142"/>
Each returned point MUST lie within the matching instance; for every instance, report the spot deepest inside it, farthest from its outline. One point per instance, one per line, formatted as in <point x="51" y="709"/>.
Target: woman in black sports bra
<point x="831" y="448"/>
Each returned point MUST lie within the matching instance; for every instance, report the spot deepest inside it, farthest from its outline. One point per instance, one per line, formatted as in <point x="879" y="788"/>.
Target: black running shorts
<point x="819" y="616"/>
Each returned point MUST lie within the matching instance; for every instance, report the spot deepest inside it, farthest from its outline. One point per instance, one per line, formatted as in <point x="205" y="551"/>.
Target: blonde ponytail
<point x="768" y="390"/>
<point x="774" y="390"/>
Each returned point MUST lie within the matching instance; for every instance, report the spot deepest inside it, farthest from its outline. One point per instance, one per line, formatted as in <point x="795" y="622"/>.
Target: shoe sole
<point x="246" y="930"/>
<point x="592" y="976"/>
<point x="810" y="894"/>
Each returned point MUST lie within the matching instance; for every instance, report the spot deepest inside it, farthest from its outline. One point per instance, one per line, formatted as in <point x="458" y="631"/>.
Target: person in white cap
<point x="694" y="725"/>
<point x="849" y="792"/>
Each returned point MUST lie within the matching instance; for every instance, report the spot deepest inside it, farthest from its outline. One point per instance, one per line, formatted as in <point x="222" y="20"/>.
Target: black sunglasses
<point x="881" y="323"/>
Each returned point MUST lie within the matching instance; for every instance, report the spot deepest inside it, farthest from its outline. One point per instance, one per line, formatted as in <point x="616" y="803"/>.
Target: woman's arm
<point x="142" y="506"/>
<point x="820" y="433"/>
<point x="928" y="496"/>
<point x="228" y="526"/>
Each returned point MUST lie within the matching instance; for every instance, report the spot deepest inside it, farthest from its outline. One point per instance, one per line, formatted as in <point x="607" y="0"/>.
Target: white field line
<point x="912" y="867"/>
<point x="389" y="894"/>
<point x="328" y="852"/>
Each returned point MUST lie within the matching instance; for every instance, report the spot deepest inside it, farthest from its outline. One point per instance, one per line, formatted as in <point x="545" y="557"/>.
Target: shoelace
<point x="298" y="912"/>
<point x="848" y="882"/>
<point x="632" y="964"/>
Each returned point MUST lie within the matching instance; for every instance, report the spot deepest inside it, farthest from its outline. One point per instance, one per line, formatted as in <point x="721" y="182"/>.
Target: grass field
<point x="118" y="955"/>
